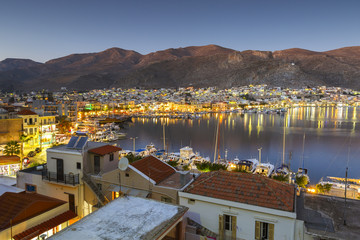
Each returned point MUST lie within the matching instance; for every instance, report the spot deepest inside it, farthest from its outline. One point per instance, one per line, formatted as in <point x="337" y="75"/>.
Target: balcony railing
<point x="71" y="179"/>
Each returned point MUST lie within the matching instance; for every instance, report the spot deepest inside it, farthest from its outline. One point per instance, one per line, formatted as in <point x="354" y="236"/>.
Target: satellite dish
<point x="123" y="163"/>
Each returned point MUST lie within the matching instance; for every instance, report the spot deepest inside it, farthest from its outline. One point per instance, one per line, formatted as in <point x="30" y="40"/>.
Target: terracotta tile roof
<point x="26" y="112"/>
<point x="22" y="206"/>
<point x="45" y="226"/>
<point x="154" y="168"/>
<point x="105" y="150"/>
<point x="245" y="188"/>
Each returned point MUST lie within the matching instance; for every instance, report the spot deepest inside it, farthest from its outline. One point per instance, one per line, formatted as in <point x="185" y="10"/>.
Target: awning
<point x="129" y="191"/>
<point x="45" y="226"/>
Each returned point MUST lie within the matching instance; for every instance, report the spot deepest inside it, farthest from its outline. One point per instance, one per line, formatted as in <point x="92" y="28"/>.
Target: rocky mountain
<point x="191" y="66"/>
<point x="13" y="63"/>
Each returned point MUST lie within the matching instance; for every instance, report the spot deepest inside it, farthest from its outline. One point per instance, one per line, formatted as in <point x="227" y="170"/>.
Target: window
<point x="127" y="175"/>
<point x="25" y="120"/>
<point x="111" y="156"/>
<point x="166" y="199"/>
<point x="264" y="231"/>
<point x="35" y="119"/>
<point x="191" y="201"/>
<point x="78" y="165"/>
<point x="227" y="222"/>
<point x="227" y="226"/>
<point x="115" y="195"/>
<point x="31" y="131"/>
<point x="30" y="188"/>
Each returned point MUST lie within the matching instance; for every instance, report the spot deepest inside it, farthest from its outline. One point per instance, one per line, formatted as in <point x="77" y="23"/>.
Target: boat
<point x="265" y="169"/>
<point x="283" y="169"/>
<point x="303" y="171"/>
<point x="245" y="165"/>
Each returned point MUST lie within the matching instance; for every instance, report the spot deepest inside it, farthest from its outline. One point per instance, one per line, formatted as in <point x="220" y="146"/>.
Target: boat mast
<point x="283" y="153"/>
<point x="164" y="136"/>
<point x="303" y="150"/>
<point x="216" y="141"/>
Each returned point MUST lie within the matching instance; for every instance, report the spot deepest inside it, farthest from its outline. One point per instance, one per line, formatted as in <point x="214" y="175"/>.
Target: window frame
<point x="227" y="222"/>
<point x="30" y="185"/>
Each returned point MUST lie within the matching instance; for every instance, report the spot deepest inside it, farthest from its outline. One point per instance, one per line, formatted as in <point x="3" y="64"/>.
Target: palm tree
<point x="12" y="148"/>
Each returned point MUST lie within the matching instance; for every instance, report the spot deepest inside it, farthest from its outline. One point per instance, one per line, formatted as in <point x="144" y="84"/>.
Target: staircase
<point x="195" y="228"/>
<point x="102" y="200"/>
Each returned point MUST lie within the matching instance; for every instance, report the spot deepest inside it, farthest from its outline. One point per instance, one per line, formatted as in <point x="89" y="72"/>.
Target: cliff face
<point x="197" y="66"/>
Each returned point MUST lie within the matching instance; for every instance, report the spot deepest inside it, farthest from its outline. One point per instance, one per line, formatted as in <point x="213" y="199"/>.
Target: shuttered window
<point x="233" y="227"/>
<point x="221" y="227"/>
<point x="264" y="231"/>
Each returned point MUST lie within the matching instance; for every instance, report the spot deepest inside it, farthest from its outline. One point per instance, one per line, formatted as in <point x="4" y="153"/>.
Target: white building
<point x="242" y="206"/>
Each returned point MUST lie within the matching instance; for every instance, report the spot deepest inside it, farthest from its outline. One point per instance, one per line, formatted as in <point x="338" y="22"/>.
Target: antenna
<point x="122" y="165"/>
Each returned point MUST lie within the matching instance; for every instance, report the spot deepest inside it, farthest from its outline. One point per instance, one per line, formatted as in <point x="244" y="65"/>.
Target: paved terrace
<point x="324" y="216"/>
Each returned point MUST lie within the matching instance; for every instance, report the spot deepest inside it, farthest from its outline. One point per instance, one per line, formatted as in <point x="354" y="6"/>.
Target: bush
<point x="281" y="178"/>
<point x="323" y="188"/>
<point x="301" y="181"/>
<point x="209" y="167"/>
<point x="132" y="158"/>
<point x="186" y="167"/>
<point x="173" y="163"/>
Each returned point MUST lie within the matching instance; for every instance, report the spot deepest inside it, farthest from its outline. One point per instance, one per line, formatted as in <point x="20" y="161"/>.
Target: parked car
<point x="26" y="161"/>
<point x="37" y="150"/>
<point x="31" y="154"/>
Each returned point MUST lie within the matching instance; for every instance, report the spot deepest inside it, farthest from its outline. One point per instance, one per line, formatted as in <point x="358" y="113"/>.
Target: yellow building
<point x="31" y="125"/>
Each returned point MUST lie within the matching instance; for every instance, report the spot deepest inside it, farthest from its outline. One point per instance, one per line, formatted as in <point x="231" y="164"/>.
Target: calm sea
<point x="331" y="137"/>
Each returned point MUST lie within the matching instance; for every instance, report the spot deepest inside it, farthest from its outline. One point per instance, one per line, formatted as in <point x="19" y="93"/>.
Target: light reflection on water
<point x="328" y="130"/>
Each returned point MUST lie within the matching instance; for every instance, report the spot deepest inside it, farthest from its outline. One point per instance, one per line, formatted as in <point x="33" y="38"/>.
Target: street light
<point x="259" y="154"/>
<point x="133" y="138"/>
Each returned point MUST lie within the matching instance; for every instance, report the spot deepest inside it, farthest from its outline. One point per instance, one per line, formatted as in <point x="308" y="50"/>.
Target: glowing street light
<point x="133" y="138"/>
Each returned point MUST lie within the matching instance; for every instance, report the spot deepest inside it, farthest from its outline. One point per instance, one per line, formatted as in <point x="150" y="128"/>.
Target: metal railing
<point x="71" y="179"/>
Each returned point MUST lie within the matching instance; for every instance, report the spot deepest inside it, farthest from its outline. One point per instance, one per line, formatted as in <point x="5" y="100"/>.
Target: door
<point x="60" y="169"/>
<point x="96" y="164"/>
<point x="72" y="203"/>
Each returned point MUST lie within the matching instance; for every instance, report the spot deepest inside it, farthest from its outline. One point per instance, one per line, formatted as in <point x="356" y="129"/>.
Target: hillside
<point x="196" y="66"/>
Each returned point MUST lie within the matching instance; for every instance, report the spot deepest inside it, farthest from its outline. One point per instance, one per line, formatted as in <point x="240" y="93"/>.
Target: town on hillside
<point x="64" y="175"/>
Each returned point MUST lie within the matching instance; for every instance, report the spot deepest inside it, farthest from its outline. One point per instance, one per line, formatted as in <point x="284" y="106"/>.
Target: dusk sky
<point x="43" y="30"/>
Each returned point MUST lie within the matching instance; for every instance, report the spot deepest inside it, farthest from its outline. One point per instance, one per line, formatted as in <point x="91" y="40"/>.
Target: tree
<point x="301" y="181"/>
<point x="12" y="148"/>
<point x="23" y="139"/>
<point x="132" y="158"/>
<point x="323" y="188"/>
<point x="64" y="125"/>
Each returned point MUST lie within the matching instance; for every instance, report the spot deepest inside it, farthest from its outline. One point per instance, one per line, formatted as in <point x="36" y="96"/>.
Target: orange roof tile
<point x="26" y="112"/>
<point x="245" y="188"/>
<point x="19" y="207"/>
<point x="154" y="168"/>
<point x="45" y="226"/>
<point x="105" y="150"/>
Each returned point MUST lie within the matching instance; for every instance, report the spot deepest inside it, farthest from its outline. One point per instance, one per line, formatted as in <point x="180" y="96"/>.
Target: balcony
<point x="71" y="179"/>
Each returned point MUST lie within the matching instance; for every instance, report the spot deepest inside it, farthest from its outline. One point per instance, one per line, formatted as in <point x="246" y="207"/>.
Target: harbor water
<point x="332" y="137"/>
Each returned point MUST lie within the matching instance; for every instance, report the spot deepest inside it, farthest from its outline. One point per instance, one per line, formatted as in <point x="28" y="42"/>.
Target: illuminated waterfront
<point x="329" y="132"/>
